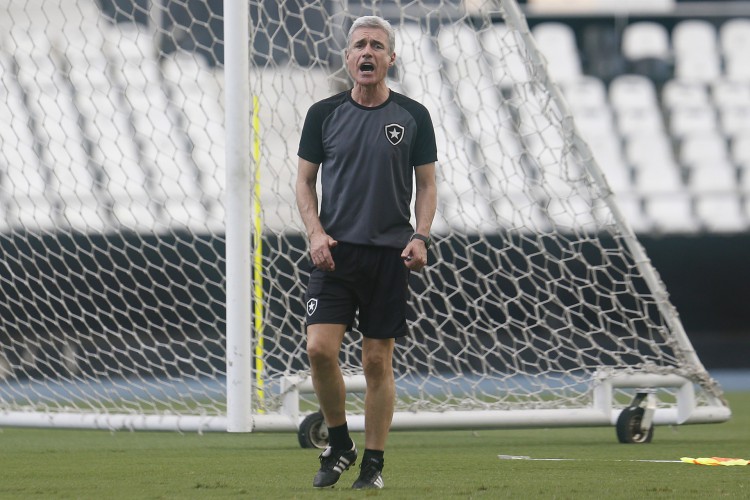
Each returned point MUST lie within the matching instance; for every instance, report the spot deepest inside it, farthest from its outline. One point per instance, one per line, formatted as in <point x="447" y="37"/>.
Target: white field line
<point x="524" y="457"/>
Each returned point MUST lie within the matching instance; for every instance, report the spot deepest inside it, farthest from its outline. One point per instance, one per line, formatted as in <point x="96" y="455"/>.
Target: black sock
<point x="373" y="455"/>
<point x="338" y="438"/>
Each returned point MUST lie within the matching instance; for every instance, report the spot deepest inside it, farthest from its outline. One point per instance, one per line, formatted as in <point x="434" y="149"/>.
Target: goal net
<point x="539" y="307"/>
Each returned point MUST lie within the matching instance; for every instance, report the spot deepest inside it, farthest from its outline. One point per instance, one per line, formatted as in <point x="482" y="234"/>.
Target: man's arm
<point x="425" y="205"/>
<point x="307" y="204"/>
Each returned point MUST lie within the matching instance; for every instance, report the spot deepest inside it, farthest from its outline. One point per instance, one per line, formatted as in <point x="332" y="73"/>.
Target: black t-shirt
<point x="367" y="157"/>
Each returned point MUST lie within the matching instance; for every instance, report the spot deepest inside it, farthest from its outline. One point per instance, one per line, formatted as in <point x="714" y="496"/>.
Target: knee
<point x="377" y="367"/>
<point x="320" y="354"/>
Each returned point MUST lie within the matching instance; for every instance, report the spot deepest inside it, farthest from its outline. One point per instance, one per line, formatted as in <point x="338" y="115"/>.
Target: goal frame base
<point x="601" y="413"/>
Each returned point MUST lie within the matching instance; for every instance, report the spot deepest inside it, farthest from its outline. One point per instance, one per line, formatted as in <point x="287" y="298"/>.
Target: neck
<point x="370" y="96"/>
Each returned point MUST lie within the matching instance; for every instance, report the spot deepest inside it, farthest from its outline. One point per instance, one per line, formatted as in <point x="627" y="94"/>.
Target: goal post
<point x="153" y="264"/>
<point x="239" y="222"/>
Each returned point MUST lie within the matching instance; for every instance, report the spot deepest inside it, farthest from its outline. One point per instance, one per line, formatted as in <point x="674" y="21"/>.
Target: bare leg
<point x="323" y="345"/>
<point x="377" y="360"/>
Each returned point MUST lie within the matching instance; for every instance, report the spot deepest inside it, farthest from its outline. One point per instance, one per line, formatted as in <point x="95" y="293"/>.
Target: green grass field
<point x="446" y="464"/>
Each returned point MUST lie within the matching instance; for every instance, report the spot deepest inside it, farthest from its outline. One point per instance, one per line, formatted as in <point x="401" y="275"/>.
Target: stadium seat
<point x="586" y="93"/>
<point x="712" y="176"/>
<point x="471" y="80"/>
<point x="632" y="91"/>
<point x="23" y="175"/>
<point x="634" y="100"/>
<point x="187" y="213"/>
<point x="135" y="215"/>
<point x="195" y="93"/>
<point x="646" y="40"/>
<point x="701" y="148"/>
<point x="52" y="116"/>
<point x="507" y="63"/>
<point x="420" y="73"/>
<point x="486" y="121"/>
<point x="573" y="214"/>
<point x="696" y="69"/>
<point x="671" y="212"/>
<point x="595" y="124"/>
<point x="696" y="54"/>
<point x="684" y="121"/>
<point x="679" y="93"/>
<point x="4" y="219"/>
<point x="734" y="38"/>
<point x="161" y="142"/>
<point x="740" y="149"/>
<point x="658" y="179"/>
<point x="631" y="207"/>
<point x="720" y="213"/>
<point x="617" y="174"/>
<point x="646" y="47"/>
<point x="694" y="35"/>
<point x="519" y="212"/>
<point x="557" y="42"/>
<point x="730" y="94"/>
<point x="33" y="214"/>
<point x="83" y="215"/>
<point x="459" y="45"/>
<point x="638" y="121"/>
<point x="644" y="150"/>
<point x="734" y="120"/>
<point x="610" y="159"/>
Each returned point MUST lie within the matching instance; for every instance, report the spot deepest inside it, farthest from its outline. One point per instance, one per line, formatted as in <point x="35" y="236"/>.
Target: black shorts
<point x="369" y="279"/>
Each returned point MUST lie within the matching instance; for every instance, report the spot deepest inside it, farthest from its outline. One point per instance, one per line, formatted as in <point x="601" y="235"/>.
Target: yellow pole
<point x="258" y="262"/>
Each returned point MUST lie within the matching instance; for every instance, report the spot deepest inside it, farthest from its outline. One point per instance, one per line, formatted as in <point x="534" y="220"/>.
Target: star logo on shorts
<point x="312" y="305"/>
<point x="394" y="133"/>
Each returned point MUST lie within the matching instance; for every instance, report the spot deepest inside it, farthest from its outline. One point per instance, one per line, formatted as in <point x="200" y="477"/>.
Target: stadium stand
<point x="671" y="129"/>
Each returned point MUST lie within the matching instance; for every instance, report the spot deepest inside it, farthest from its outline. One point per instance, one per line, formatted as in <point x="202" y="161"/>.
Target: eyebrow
<point x="364" y="39"/>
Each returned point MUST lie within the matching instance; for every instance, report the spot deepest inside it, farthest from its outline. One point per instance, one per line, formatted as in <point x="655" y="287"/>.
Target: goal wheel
<point x="313" y="432"/>
<point x="629" y="426"/>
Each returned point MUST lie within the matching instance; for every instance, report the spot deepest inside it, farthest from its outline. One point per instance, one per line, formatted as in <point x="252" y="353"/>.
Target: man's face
<point x="368" y="57"/>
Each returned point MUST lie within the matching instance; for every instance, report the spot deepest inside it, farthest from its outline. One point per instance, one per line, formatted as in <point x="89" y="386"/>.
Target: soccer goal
<point x="152" y="263"/>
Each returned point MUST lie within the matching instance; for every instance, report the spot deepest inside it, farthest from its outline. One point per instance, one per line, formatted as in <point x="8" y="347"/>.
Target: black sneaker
<point x="332" y="464"/>
<point x="370" y="475"/>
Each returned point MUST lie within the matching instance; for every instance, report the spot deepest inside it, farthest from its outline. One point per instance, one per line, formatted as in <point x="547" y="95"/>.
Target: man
<point x="370" y="144"/>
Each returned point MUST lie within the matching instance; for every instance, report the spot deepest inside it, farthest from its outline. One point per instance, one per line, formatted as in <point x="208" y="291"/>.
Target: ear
<point x="393" y="59"/>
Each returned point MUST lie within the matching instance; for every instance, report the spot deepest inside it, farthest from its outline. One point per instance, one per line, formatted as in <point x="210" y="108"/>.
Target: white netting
<point x="112" y="246"/>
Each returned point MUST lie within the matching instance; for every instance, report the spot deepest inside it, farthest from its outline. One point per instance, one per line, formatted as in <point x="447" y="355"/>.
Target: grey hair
<point x="373" y="22"/>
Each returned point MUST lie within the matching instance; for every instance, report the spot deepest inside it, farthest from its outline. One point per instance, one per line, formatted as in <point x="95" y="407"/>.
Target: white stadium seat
<point x="678" y="93"/>
<point x="557" y="43"/>
<point x="696" y="55"/>
<point x="671" y="213"/>
<point x="721" y="213"/>
<point x="632" y="91"/>
<point x="703" y="147"/>
<point x="646" y="40"/>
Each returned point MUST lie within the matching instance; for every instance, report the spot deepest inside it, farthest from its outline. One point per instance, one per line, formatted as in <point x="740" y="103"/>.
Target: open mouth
<point x="367" y="67"/>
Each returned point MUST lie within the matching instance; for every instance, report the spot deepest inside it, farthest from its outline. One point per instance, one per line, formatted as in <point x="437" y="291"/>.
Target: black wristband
<point x="426" y="239"/>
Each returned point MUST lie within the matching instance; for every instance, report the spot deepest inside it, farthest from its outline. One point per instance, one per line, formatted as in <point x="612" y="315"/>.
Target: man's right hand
<point x="320" y="251"/>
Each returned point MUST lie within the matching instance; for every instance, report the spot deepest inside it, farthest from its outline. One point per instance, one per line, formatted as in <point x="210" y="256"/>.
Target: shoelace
<point x="330" y="461"/>
<point x="370" y="470"/>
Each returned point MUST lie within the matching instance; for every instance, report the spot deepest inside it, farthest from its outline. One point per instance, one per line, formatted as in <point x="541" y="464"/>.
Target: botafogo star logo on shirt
<point x="394" y="133"/>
